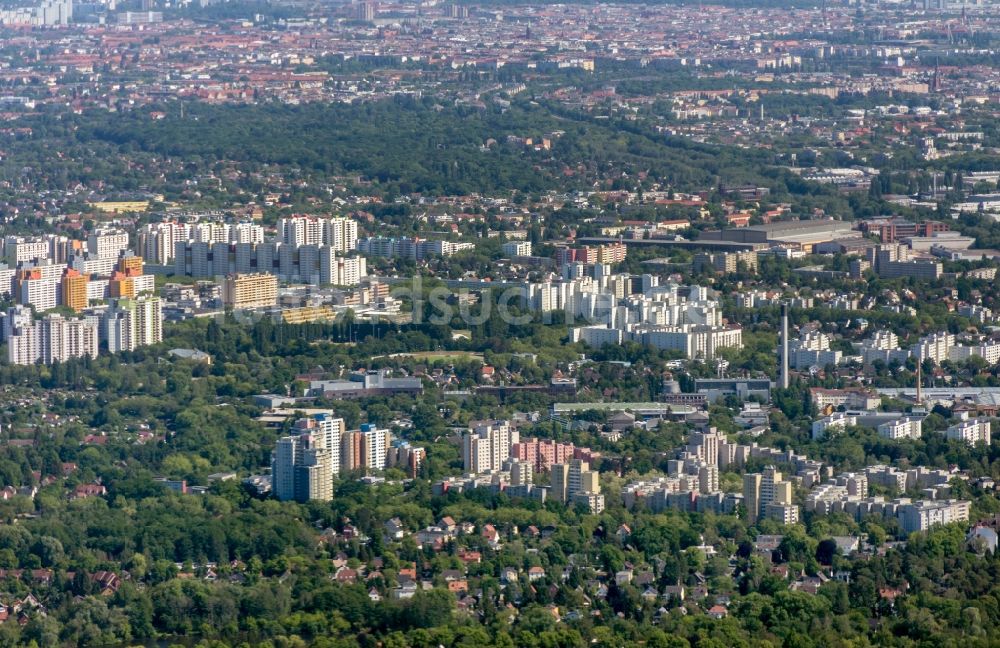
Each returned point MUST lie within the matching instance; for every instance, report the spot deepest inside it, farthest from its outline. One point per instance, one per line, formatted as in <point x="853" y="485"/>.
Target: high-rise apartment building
<point x="409" y="248"/>
<point x="770" y="485"/>
<point x="751" y="495"/>
<point x="132" y="323"/>
<point x="936" y="347"/>
<point x="341" y="234"/>
<point x="157" y="240"/>
<point x="767" y="494"/>
<point x="341" y="271"/>
<point x="15" y="318"/>
<point x="308" y="263"/>
<point x="375" y="446"/>
<point x="36" y="289"/>
<point x="47" y="12"/>
<point x="148" y="327"/>
<point x="972" y="431"/>
<point x="521" y="473"/>
<point x="210" y="232"/>
<point x="327" y="432"/>
<point x="406" y="457"/>
<point x="121" y="285"/>
<point x="708" y="478"/>
<point x="487" y="446"/>
<point x="257" y="290"/>
<point x="19" y="249"/>
<point x="128" y="280"/>
<point x="107" y="243"/>
<point x="130" y="264"/>
<point x="90" y="265"/>
<point x="892" y="261"/>
<point x="283" y="462"/>
<point x="780" y="507"/>
<point x="53" y="339"/>
<point x="365" y="11"/>
<point x="608" y="254"/>
<point x="74" y="290"/>
<point x="313" y="476"/>
<point x="301" y="470"/>
<point x="246" y="233"/>
<point x="705" y="445"/>
<point x="559" y="482"/>
<point x="543" y="453"/>
<point x="576" y="483"/>
<point x="364" y="449"/>
<point x="908" y="427"/>
<point x="924" y="514"/>
<point x="351" y="451"/>
<point x="300" y="230"/>
<point x="725" y="262"/>
<point x="516" y="248"/>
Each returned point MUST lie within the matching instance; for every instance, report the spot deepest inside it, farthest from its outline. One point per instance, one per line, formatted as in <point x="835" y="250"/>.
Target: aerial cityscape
<point x="363" y="324"/>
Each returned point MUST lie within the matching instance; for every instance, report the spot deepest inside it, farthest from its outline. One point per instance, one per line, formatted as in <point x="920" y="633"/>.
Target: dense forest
<point x="403" y="146"/>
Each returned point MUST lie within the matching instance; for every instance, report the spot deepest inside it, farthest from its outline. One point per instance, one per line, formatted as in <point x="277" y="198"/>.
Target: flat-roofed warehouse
<point x="799" y="234"/>
<point x="853" y="245"/>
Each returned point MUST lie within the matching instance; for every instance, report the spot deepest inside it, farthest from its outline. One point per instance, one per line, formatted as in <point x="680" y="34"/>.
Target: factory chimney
<point x="784" y="345"/>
